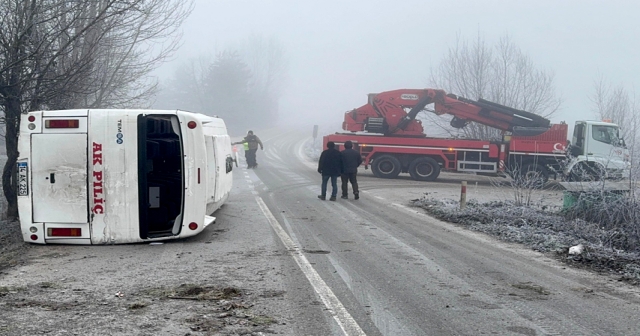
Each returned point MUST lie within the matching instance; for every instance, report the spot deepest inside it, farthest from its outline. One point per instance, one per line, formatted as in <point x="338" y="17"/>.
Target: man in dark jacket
<point x="251" y="142"/>
<point x="351" y="159"/>
<point x="330" y="166"/>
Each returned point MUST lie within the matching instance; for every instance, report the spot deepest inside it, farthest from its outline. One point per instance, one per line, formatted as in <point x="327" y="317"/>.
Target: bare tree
<point x="57" y="54"/>
<point x="614" y="104"/>
<point x="619" y="106"/>
<point x="269" y="65"/>
<point x="502" y="73"/>
<point x="227" y="84"/>
<point x="241" y="84"/>
<point x="136" y="43"/>
<point x="187" y="88"/>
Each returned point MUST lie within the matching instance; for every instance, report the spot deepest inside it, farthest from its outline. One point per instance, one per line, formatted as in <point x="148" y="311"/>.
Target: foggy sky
<point x="341" y="50"/>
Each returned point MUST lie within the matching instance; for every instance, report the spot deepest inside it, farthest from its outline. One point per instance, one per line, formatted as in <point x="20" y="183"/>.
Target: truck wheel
<point x="386" y="166"/>
<point x="424" y="169"/>
<point x="585" y="173"/>
<point x="534" y="175"/>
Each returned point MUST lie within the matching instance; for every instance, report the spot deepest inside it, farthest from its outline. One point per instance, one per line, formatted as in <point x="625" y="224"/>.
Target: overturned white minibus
<point x="120" y="176"/>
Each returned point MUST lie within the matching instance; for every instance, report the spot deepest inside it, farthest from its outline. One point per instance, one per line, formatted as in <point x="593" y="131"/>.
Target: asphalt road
<point x="304" y="266"/>
<point x="395" y="271"/>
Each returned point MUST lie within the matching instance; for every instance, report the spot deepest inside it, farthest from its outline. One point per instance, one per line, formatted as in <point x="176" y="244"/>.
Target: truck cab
<point x="597" y="151"/>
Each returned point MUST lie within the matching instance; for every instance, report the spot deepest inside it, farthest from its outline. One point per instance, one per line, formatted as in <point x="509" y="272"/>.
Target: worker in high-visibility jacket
<point x="250" y="143"/>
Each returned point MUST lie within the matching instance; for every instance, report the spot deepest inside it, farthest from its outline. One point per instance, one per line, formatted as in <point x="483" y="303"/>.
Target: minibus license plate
<point x="23" y="183"/>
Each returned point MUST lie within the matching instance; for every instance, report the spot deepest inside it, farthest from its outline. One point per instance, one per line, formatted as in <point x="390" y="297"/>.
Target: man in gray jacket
<point x="351" y="159"/>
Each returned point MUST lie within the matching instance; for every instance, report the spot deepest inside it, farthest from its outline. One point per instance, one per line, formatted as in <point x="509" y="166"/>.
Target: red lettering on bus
<point x="98" y="209"/>
<point x="97" y="189"/>
<point x="97" y="153"/>
<point x="98" y="200"/>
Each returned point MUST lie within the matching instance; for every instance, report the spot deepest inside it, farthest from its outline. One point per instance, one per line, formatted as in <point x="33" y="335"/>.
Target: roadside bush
<point x="618" y="215"/>
<point x="610" y="248"/>
<point x="524" y="182"/>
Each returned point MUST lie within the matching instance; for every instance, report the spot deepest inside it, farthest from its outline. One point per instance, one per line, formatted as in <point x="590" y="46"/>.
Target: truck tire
<point x="424" y="169"/>
<point x="534" y="175"/>
<point x="583" y="172"/>
<point x="386" y="166"/>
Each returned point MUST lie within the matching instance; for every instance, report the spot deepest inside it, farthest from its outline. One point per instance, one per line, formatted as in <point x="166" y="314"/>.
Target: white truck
<point x="597" y="151"/>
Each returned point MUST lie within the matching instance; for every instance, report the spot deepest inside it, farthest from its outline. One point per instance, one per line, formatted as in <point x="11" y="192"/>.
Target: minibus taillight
<point x="64" y="232"/>
<point x="192" y="124"/>
<point x="61" y="123"/>
<point x="193" y="225"/>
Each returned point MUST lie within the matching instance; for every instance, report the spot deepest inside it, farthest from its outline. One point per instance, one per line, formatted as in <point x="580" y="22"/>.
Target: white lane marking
<point x="346" y="322"/>
<point x="378" y="197"/>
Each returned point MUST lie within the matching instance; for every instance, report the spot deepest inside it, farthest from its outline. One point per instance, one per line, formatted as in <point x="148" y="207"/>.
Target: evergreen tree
<point x="227" y="91"/>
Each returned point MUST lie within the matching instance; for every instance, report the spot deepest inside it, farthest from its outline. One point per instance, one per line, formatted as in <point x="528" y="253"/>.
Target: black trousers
<point x="251" y="157"/>
<point x="346" y="178"/>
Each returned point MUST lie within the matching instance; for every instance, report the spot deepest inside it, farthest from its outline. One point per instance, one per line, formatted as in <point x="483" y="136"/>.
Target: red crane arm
<point x="386" y="113"/>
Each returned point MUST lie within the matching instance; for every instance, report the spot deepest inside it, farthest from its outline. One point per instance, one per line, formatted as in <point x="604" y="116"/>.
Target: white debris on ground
<point x="605" y="250"/>
<point x="576" y="250"/>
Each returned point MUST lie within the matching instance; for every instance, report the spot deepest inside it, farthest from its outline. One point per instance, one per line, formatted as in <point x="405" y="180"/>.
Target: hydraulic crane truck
<point x="392" y="141"/>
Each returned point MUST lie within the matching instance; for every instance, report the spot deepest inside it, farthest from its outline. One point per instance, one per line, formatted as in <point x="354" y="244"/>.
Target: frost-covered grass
<point x="618" y="214"/>
<point x="611" y="248"/>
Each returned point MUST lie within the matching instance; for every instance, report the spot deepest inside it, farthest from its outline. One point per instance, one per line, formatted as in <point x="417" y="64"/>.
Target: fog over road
<point x="303" y="266"/>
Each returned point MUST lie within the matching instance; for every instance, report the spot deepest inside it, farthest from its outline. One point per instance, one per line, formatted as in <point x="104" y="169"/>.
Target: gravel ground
<point x="187" y="290"/>
<point x="227" y="280"/>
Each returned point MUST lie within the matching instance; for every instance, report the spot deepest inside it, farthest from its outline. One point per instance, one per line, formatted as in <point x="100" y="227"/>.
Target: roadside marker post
<point x="463" y="195"/>
<point x="315" y="135"/>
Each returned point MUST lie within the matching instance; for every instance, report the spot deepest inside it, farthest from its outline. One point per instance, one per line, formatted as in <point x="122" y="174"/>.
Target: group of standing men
<point x="334" y="163"/>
